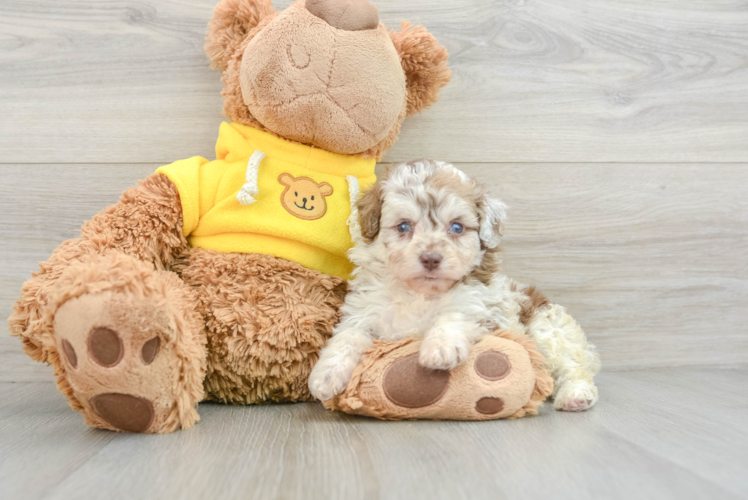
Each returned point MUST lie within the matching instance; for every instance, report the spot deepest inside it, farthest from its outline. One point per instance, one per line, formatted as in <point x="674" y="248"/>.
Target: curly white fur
<point x="394" y="295"/>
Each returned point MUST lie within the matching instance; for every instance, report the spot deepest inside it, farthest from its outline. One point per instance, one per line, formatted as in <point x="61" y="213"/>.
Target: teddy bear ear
<point x="232" y="21"/>
<point x="424" y="62"/>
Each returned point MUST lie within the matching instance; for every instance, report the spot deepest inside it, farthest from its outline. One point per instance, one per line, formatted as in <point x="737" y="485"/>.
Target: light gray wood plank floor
<point x="659" y="434"/>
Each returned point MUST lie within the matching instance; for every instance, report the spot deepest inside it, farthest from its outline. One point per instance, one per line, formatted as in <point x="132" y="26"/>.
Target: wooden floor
<point x="616" y="131"/>
<point x="658" y="434"/>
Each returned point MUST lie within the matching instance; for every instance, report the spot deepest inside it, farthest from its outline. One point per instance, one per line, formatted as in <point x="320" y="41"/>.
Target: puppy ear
<point x="425" y="64"/>
<point x="232" y="21"/>
<point x="370" y="212"/>
<point x="491" y="213"/>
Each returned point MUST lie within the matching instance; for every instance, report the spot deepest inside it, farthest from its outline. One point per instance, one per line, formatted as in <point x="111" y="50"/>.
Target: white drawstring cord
<point x="249" y="190"/>
<point x="353" y="226"/>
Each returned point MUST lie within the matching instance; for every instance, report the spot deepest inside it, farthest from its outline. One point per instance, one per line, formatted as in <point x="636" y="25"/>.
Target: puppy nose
<point x="431" y="260"/>
<point x="349" y="15"/>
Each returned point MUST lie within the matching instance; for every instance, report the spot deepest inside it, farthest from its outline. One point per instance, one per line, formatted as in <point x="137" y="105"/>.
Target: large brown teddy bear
<point x="222" y="280"/>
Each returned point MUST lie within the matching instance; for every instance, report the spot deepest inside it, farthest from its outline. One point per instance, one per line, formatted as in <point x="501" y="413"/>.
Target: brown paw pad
<point x="124" y="412"/>
<point x="150" y="349"/>
<point x="408" y="384"/>
<point x="69" y="351"/>
<point x="489" y="406"/>
<point x="492" y="365"/>
<point x="105" y="346"/>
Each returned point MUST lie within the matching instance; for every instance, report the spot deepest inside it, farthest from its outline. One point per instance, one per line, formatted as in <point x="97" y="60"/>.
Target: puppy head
<point x="434" y="225"/>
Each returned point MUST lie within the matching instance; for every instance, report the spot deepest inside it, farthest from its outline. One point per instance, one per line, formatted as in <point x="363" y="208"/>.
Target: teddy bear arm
<point x="146" y="224"/>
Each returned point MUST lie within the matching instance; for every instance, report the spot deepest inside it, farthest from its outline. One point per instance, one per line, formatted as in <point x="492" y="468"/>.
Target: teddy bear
<point x="221" y="280"/>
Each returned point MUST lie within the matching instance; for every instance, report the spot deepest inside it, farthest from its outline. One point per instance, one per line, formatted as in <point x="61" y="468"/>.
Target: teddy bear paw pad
<point x="489" y="406"/>
<point x="118" y="361"/>
<point x="408" y="384"/>
<point x="125" y="412"/>
<point x="492" y="365"/>
<point x="105" y="347"/>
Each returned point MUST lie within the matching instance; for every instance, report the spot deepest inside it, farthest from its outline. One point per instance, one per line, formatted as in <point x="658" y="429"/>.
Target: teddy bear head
<point x="325" y="73"/>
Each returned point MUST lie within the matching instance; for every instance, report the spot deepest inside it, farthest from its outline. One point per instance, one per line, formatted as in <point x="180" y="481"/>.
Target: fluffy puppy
<point x="427" y="267"/>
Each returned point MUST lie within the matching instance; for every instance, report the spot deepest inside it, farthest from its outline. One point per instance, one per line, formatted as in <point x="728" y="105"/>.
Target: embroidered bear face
<point x="303" y="197"/>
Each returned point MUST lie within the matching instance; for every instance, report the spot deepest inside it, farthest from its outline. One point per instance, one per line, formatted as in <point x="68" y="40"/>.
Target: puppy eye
<point x="403" y="227"/>
<point x="296" y="193"/>
<point x="456" y="228"/>
<point x="312" y="198"/>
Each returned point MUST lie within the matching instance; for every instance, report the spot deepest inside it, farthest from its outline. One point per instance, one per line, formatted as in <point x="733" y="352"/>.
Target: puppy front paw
<point x="330" y="377"/>
<point x="575" y="395"/>
<point x="443" y="353"/>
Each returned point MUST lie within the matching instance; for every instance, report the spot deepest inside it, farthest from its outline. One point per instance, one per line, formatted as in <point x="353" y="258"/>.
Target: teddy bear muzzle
<point x="349" y="15"/>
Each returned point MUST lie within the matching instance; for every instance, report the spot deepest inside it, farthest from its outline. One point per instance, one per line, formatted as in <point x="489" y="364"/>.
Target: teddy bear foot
<point x="123" y="364"/>
<point x="503" y="377"/>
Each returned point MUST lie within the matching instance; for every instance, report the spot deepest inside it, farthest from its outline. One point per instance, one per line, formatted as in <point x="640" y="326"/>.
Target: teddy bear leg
<point x="503" y="377"/>
<point x="266" y="320"/>
<point x="129" y="345"/>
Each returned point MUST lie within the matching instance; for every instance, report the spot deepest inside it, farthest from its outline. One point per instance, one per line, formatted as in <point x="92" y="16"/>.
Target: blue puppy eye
<point x="403" y="227"/>
<point x="456" y="227"/>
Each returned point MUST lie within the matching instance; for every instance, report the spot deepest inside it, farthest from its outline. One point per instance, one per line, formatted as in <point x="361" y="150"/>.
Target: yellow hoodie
<point x="270" y="196"/>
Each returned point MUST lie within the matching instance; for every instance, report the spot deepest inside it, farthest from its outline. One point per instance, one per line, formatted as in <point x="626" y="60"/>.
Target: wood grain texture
<point x="126" y="81"/>
<point x="650" y="259"/>
<point x="674" y="433"/>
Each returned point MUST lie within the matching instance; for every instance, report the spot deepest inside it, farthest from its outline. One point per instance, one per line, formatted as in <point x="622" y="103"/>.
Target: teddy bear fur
<point x="187" y="324"/>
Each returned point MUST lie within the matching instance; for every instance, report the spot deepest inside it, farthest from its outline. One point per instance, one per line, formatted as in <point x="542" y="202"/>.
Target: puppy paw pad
<point x="105" y="347"/>
<point x="492" y="365"/>
<point x="150" y="350"/>
<point x="69" y="351"/>
<point x="576" y="405"/>
<point x="576" y="395"/>
<point x="408" y="384"/>
<point x="124" y="412"/>
<point x="489" y="406"/>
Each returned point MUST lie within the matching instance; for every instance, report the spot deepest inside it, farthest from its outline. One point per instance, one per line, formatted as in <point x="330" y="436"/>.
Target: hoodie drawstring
<point x="249" y="190"/>
<point x="353" y="226"/>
